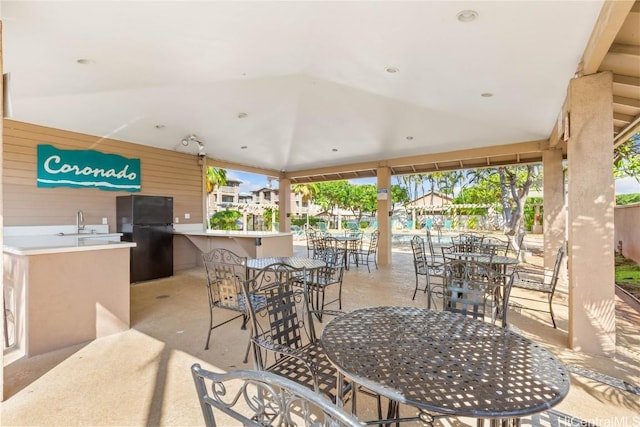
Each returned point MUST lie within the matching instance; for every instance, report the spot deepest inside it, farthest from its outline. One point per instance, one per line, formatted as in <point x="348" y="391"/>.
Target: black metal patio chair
<point x="539" y="282"/>
<point x="284" y="337"/>
<point x="226" y="271"/>
<point x="258" y="399"/>
<point x="320" y="279"/>
<point x="368" y="251"/>
<point x="427" y="266"/>
<point x="477" y="290"/>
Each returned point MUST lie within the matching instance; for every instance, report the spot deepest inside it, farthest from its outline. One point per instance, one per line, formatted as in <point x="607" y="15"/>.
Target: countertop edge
<point x="251" y="234"/>
<point x="93" y="246"/>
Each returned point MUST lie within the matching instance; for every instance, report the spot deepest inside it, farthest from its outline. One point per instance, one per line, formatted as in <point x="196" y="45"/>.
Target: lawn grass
<point x="628" y="275"/>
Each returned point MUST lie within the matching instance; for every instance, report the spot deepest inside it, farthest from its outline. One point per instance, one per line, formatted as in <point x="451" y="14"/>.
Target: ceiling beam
<point x="628" y="102"/>
<point x="612" y="17"/>
<point x="223" y="164"/>
<point x="632" y="81"/>
<point x="419" y="163"/>
<point x="625" y="134"/>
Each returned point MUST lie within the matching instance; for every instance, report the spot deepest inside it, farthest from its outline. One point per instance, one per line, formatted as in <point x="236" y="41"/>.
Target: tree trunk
<point x="514" y="219"/>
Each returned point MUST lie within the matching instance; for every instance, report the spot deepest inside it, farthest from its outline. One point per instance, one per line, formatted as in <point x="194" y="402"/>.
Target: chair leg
<point x="246" y="353"/>
<point x="553" y="320"/>
<point x="206" y="346"/>
<point x="321" y="306"/>
<point x="245" y="319"/>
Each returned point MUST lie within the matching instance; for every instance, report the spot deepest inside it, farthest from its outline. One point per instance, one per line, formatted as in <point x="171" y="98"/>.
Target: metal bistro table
<point x="444" y="363"/>
<point x="347" y="242"/>
<point x="501" y="261"/>
<point x="294" y="261"/>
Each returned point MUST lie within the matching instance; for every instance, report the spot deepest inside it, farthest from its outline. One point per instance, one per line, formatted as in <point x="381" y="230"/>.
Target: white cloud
<point x="627" y="185"/>
<point x="250" y="181"/>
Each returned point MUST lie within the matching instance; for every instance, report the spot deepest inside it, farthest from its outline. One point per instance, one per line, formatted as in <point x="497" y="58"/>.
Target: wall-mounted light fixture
<point x="190" y="140"/>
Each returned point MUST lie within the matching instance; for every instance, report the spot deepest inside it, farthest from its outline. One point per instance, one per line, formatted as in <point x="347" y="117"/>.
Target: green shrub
<point x="226" y="220"/>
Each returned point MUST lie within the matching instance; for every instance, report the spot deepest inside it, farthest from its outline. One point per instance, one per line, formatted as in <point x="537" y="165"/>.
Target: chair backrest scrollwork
<point x="258" y="399"/>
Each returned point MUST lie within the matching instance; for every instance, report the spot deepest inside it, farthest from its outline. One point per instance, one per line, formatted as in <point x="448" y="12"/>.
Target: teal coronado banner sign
<point x="86" y="169"/>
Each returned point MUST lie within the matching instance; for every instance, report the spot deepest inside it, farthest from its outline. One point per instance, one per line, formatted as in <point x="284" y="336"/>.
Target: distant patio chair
<point x="495" y="246"/>
<point x="426" y="266"/>
<point x="428" y="224"/>
<point x="310" y="234"/>
<point x="368" y="251"/>
<point x="474" y="289"/>
<point x="353" y="226"/>
<point x="297" y="231"/>
<point x="322" y="226"/>
<point x="447" y="225"/>
<point x="320" y="279"/>
<point x="540" y="282"/>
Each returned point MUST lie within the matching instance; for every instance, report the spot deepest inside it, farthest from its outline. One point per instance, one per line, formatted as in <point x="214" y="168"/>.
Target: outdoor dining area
<point x="455" y="357"/>
<point x="447" y="345"/>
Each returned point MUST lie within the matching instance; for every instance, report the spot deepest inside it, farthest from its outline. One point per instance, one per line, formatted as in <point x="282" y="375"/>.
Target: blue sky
<point x="251" y="181"/>
<point x="627" y="185"/>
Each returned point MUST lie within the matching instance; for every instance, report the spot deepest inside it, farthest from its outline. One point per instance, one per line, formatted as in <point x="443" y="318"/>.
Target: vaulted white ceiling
<point x="283" y="85"/>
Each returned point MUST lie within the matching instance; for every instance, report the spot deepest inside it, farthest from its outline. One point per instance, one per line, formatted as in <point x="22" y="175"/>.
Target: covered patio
<point x="566" y="89"/>
<point x="140" y="377"/>
<point x="349" y="107"/>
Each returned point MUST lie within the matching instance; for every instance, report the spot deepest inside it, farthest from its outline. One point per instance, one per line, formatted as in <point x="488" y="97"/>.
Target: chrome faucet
<point x="79" y="221"/>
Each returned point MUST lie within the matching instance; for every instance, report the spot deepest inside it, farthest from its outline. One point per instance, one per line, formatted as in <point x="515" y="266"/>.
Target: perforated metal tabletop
<point x="445" y="362"/>
<point x="295" y="262"/>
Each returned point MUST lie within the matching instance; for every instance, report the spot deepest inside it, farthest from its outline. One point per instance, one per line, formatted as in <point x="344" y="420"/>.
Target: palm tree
<point x="306" y="191"/>
<point x="215" y="178"/>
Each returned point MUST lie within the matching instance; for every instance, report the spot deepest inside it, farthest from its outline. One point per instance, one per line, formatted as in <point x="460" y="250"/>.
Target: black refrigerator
<point x="147" y="221"/>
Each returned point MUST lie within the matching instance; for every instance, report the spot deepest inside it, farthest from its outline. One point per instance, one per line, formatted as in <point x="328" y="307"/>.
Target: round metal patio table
<point x="347" y="243"/>
<point x="294" y="261"/>
<point x="444" y="363"/>
<point x="497" y="260"/>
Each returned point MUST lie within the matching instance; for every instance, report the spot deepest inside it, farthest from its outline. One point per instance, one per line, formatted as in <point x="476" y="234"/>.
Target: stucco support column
<point x="284" y="204"/>
<point x="384" y="220"/>
<point x="591" y="198"/>
<point x="554" y="212"/>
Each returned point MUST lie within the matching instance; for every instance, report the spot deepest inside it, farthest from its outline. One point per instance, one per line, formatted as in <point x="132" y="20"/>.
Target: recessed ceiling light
<point x="467" y="15"/>
<point x="392" y="70"/>
<point x="486" y="95"/>
<point x="159" y="126"/>
<point x="85" y="61"/>
<point x="242" y="115"/>
<point x="244" y="147"/>
<point x="409" y="138"/>
<point x="334" y="149"/>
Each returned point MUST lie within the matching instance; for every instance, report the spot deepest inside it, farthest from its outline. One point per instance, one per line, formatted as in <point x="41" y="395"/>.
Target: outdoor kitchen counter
<point x="65" y="290"/>
<point x="252" y="244"/>
<point x="35" y="245"/>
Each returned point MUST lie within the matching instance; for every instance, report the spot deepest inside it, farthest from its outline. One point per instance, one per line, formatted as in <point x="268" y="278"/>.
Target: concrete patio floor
<point x="142" y="377"/>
